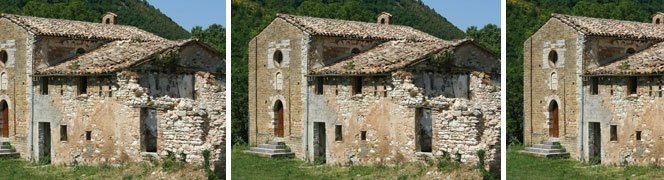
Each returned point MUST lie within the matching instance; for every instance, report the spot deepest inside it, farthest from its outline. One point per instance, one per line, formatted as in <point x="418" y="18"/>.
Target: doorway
<point x="5" y="119"/>
<point x="149" y="130"/>
<point x="45" y="142"/>
<point x="594" y="141"/>
<point x="319" y="142"/>
<point x="279" y="111"/>
<point x="423" y="130"/>
<point x="553" y="111"/>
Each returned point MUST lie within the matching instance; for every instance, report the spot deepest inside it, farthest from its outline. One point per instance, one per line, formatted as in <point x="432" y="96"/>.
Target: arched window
<point x="382" y="21"/>
<point x="355" y="51"/>
<point x="554" y="81"/>
<point x="553" y="57"/>
<point x="3" y="78"/>
<point x="630" y="51"/>
<point x="279" y="79"/>
<point x="4" y="56"/>
<point x="278" y="57"/>
<point x="108" y="21"/>
<point x="80" y="51"/>
<point x="657" y="21"/>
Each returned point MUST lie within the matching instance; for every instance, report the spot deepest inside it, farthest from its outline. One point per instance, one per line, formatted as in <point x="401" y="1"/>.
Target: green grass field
<point x="254" y="167"/>
<point x="521" y="166"/>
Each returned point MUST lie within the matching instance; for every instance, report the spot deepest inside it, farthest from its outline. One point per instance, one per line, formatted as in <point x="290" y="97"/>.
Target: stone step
<point x="273" y="143"/>
<point x="269" y="155"/>
<point x="5" y="147"/>
<point x="271" y="146"/>
<point x="545" y="155"/>
<point x="7" y="150"/>
<point x="546" y="146"/>
<point x="267" y="150"/>
<point x="539" y="150"/>
<point x="550" y="143"/>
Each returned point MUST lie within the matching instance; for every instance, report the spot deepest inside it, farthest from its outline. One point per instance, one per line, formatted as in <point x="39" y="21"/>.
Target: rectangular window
<point x="319" y="86"/>
<point x="88" y="135"/>
<point x="337" y="131"/>
<point x="357" y="85"/>
<point x="44" y="86"/>
<point x="614" y="132"/>
<point x="632" y="84"/>
<point x="638" y="135"/>
<point x="363" y="135"/>
<point x="63" y="132"/>
<point x="83" y="85"/>
<point x="594" y="85"/>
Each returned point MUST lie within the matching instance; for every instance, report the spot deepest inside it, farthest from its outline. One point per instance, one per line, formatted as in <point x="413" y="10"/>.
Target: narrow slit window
<point x="614" y="132"/>
<point x="632" y="84"/>
<point x="338" y="133"/>
<point x="88" y="135"/>
<point x="357" y="85"/>
<point x="594" y="86"/>
<point x="319" y="86"/>
<point x="83" y="85"/>
<point x="638" y="135"/>
<point x="63" y="132"/>
<point x="363" y="135"/>
<point x="44" y="86"/>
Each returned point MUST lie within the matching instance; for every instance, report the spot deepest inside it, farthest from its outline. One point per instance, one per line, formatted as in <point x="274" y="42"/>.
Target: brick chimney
<point x="658" y="18"/>
<point x="385" y="18"/>
<point x="109" y="18"/>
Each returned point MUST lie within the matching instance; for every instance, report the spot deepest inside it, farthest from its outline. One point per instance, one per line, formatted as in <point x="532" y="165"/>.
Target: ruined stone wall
<point x="328" y="50"/>
<point x="614" y="105"/>
<point x="111" y="111"/>
<point x="53" y="50"/>
<point x="14" y="80"/>
<point x="546" y="82"/>
<point x="270" y="81"/>
<point x="603" y="50"/>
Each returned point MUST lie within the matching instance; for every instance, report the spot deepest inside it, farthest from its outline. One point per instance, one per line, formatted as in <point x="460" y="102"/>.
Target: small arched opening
<point x="630" y="51"/>
<point x="553" y="57"/>
<point x="553" y="112"/>
<point x="279" y="118"/>
<point x="80" y="51"/>
<point x="4" y="57"/>
<point x="355" y="51"/>
<point x="278" y="57"/>
<point x="4" y="108"/>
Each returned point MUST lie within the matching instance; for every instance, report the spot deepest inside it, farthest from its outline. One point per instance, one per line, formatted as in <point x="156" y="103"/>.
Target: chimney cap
<point x="386" y="14"/>
<point x="111" y="13"/>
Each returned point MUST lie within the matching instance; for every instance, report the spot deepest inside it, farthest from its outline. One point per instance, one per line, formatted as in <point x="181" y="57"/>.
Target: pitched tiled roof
<point x="114" y="56"/>
<point x="355" y="29"/>
<point x="648" y="61"/>
<point x="389" y="56"/>
<point x="613" y="28"/>
<point x="78" y="29"/>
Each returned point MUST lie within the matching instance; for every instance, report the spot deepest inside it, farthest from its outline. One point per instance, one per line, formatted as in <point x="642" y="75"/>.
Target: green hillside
<point x="524" y="17"/>
<point x="130" y="12"/>
<point x="249" y="17"/>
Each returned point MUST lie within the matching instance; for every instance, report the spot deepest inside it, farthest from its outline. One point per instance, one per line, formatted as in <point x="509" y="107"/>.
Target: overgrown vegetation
<point x="624" y="65"/>
<point x="350" y="65"/>
<point x="74" y="65"/>
<point x="524" y="17"/>
<point x="249" y="17"/>
<point x="441" y="60"/>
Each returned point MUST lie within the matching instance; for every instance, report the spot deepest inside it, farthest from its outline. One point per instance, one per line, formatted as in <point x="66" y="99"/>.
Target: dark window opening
<point x="638" y="135"/>
<point x="553" y="57"/>
<point x="355" y="51"/>
<point x="148" y="128"/>
<point x="44" y="86"/>
<point x="62" y="89"/>
<point x="594" y="83"/>
<point x="632" y="84"/>
<point x="614" y="132"/>
<point x="382" y="21"/>
<point x="337" y="131"/>
<point x="108" y="21"/>
<point x="88" y="135"/>
<point x="630" y="51"/>
<point x="4" y="56"/>
<point x="63" y="132"/>
<point x="357" y="85"/>
<point x="363" y="135"/>
<point x="319" y="86"/>
<point x="278" y="57"/>
<point x="83" y="85"/>
<point x="80" y="51"/>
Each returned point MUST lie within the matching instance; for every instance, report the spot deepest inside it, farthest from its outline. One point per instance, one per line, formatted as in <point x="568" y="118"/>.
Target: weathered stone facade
<point x="373" y="117"/>
<point x="588" y="81"/>
<point x="108" y="98"/>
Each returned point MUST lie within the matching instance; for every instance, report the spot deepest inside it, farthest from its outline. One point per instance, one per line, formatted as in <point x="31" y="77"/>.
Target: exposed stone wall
<point x="327" y="50"/>
<point x="53" y="50"/>
<point x="546" y="82"/>
<point x="614" y="105"/>
<point x="603" y="50"/>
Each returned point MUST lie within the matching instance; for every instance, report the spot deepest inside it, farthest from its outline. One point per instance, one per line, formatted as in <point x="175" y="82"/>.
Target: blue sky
<point x="466" y="13"/>
<point x="192" y="13"/>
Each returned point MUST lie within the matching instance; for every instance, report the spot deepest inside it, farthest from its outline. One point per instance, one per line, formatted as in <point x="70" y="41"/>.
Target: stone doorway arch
<point x="279" y="118"/>
<point x="553" y="114"/>
<point x="4" y="108"/>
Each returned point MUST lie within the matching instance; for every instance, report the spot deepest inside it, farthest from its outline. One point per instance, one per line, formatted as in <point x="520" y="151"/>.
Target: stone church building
<point x="101" y="93"/>
<point x="594" y="86"/>
<point x="343" y="92"/>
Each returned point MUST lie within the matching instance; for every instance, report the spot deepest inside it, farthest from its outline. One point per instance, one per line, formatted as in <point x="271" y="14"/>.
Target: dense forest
<point x="249" y="17"/>
<point x="524" y="17"/>
<point x="130" y="12"/>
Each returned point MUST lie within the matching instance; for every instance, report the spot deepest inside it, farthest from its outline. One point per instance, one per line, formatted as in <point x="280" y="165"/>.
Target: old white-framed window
<point x="279" y="81"/>
<point x="553" y="81"/>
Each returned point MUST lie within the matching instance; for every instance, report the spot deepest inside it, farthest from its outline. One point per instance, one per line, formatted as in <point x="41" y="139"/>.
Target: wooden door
<point x="280" y="122"/>
<point x="555" y="122"/>
<point x="5" y="121"/>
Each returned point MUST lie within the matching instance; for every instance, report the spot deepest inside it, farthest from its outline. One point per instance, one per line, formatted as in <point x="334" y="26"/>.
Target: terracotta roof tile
<point x="613" y="28"/>
<point x="647" y="61"/>
<point x="389" y="56"/>
<point x="355" y="29"/>
<point x="78" y="29"/>
<point x="114" y="56"/>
